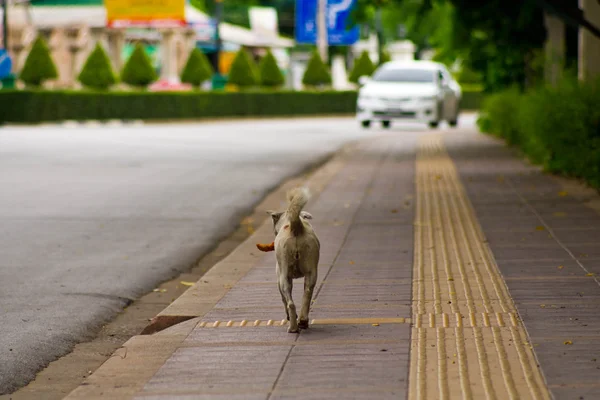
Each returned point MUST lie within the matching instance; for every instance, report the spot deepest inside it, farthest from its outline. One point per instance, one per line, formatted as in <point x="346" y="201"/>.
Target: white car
<point x="421" y="91"/>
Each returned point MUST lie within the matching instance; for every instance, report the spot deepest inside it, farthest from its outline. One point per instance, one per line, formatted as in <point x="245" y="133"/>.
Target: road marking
<point x="468" y="340"/>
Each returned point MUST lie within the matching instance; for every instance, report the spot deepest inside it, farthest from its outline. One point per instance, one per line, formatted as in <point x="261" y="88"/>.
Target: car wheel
<point x="386" y="124"/>
<point x="434" y="124"/>
<point x="365" y="124"/>
<point x="454" y="121"/>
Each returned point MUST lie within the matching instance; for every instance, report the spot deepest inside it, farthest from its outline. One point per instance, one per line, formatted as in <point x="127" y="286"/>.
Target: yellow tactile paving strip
<point x="467" y="339"/>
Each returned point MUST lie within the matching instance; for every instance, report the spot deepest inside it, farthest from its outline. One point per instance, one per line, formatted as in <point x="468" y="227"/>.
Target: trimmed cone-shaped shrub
<point x="270" y="74"/>
<point x="317" y="73"/>
<point x="196" y="69"/>
<point x="97" y="73"/>
<point x="243" y="70"/>
<point x="138" y="70"/>
<point x="362" y="67"/>
<point x="39" y="66"/>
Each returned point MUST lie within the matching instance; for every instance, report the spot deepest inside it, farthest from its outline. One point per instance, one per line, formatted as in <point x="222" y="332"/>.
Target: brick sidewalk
<point x="405" y="279"/>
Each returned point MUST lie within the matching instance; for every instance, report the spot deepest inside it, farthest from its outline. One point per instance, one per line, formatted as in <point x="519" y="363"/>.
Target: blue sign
<point x="5" y="64"/>
<point x="336" y="18"/>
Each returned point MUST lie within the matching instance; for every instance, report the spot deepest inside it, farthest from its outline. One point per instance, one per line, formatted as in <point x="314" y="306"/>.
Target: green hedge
<point x="47" y="106"/>
<point x="471" y="100"/>
<point x="556" y="127"/>
<point x="33" y="107"/>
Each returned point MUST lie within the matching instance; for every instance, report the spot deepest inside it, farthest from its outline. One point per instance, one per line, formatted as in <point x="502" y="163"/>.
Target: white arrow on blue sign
<point x="337" y="14"/>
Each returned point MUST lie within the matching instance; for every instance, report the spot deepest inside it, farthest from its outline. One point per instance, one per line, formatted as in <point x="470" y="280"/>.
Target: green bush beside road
<point x="556" y="127"/>
<point x="41" y="106"/>
<point x="32" y="106"/>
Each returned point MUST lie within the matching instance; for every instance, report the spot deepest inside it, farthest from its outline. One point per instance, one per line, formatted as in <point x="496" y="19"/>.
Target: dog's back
<point x="297" y="251"/>
<point x="296" y="245"/>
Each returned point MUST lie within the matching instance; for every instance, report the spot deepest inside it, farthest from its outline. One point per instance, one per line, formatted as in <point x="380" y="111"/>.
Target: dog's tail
<point x="297" y="199"/>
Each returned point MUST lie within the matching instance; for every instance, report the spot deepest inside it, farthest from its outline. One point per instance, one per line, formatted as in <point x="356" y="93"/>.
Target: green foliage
<point x="270" y="74"/>
<point x="363" y="66"/>
<point x="197" y="68"/>
<point x="41" y="106"/>
<point x="138" y="70"/>
<point x="317" y="73"/>
<point x="557" y="127"/>
<point x="97" y="73"/>
<point x="39" y="66"/>
<point x="243" y="70"/>
<point x="385" y="58"/>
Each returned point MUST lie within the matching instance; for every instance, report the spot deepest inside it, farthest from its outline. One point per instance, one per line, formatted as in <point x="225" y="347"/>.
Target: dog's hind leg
<point x="285" y="286"/>
<point x="287" y="313"/>
<point x="309" y="286"/>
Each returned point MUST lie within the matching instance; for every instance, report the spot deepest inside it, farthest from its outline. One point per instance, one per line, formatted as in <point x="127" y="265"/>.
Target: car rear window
<point x="404" y="75"/>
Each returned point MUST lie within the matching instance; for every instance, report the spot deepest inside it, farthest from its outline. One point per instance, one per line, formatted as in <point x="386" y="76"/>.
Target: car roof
<point x="416" y="64"/>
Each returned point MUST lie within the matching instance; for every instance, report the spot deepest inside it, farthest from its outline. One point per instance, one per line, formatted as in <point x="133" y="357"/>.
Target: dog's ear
<point x="306" y="215"/>
<point x="275" y="216"/>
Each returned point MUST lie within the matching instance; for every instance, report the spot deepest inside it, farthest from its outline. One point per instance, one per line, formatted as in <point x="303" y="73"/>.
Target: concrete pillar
<point x="116" y="42"/>
<point x="20" y="41"/>
<point x="61" y="55"/>
<point x="555" y="48"/>
<point x="169" y="57"/>
<point x="589" y="45"/>
<point x="80" y="48"/>
<point x="339" y="74"/>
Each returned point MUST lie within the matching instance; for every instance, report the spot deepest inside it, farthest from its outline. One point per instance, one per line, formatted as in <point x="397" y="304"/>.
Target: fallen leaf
<point x="568" y="342"/>
<point x="451" y="279"/>
<point x="561" y="266"/>
<point x="375" y="324"/>
<point x="539" y="228"/>
<point x="563" y="193"/>
<point x="186" y="283"/>
<point x="394" y="211"/>
<point x="543" y="305"/>
<point x="351" y="263"/>
<point x="590" y="274"/>
<point x="560" y="214"/>
<point x="500" y="178"/>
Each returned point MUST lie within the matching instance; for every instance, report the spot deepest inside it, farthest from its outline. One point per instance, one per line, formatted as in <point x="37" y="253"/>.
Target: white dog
<point x="297" y="252"/>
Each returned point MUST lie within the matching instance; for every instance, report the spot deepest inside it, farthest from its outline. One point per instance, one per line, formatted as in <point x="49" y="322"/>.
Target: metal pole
<point x="322" y="29"/>
<point x="219" y="43"/>
<point x="5" y="24"/>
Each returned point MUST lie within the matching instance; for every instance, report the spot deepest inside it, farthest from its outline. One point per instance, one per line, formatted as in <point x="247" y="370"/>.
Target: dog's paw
<point x="303" y="324"/>
<point x="292" y="329"/>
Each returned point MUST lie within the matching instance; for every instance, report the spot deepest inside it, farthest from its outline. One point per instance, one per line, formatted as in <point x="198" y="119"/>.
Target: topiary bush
<point x="269" y="72"/>
<point x="243" y="70"/>
<point x="363" y="66"/>
<point x="138" y="70"/>
<point x="39" y="66"/>
<point x="317" y="73"/>
<point x="97" y="72"/>
<point x="197" y="69"/>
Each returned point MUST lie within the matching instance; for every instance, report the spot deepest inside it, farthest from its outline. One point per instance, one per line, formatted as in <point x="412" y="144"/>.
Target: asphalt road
<point x="91" y="218"/>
